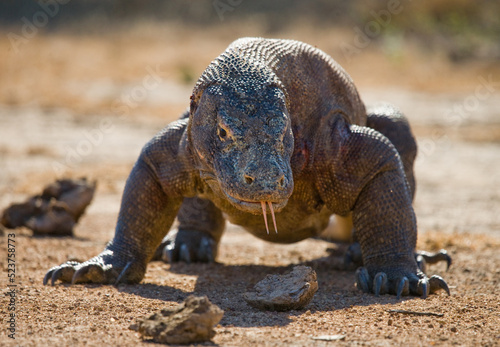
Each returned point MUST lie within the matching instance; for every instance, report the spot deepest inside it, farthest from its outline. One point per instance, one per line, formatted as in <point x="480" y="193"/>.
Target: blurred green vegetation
<point x="187" y="74"/>
<point x="463" y="29"/>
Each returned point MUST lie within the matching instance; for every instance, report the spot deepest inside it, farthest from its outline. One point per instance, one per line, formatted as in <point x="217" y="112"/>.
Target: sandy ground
<point x="82" y="106"/>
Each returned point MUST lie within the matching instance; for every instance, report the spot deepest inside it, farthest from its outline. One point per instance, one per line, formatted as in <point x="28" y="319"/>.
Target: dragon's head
<point x="241" y="134"/>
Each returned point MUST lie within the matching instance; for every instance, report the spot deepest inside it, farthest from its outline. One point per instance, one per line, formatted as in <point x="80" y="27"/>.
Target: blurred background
<point x="85" y="84"/>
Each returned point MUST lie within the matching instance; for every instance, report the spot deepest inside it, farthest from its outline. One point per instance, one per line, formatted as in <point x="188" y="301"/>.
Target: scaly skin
<point x="273" y="123"/>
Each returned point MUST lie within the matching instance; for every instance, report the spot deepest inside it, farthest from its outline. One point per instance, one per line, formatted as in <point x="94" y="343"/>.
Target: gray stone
<point x="291" y="291"/>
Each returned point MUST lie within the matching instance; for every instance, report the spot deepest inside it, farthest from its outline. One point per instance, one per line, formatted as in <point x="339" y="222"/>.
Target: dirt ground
<point x="85" y="105"/>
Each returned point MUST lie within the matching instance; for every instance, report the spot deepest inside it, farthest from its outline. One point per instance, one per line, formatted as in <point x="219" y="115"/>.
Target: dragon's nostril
<point x="248" y="179"/>
<point x="282" y="181"/>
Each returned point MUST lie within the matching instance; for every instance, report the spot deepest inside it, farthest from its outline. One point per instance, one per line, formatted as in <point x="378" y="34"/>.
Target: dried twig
<point x="417" y="313"/>
<point x="329" y="337"/>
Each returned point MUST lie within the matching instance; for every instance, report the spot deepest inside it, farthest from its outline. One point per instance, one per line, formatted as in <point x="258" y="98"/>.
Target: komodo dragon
<point x="276" y="131"/>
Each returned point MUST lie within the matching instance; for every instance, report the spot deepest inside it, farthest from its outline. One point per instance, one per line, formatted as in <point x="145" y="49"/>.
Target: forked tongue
<point x="264" y="212"/>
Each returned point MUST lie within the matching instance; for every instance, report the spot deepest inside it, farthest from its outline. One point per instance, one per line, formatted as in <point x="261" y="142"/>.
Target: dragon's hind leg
<point x="197" y="236"/>
<point x="389" y="121"/>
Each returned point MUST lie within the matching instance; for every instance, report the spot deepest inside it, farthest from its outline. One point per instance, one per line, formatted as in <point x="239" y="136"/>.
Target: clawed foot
<point x="402" y="284"/>
<point x="187" y="246"/>
<point x="423" y="258"/>
<point x="105" y="268"/>
<point x="412" y="283"/>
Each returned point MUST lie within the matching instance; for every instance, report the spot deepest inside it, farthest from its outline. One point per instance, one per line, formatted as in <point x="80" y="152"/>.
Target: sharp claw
<point x="403" y="287"/>
<point x="380" y="283"/>
<point x="437" y="282"/>
<point x="56" y="274"/>
<point x="79" y="274"/>
<point x="47" y="276"/>
<point x="424" y="285"/>
<point x="168" y="254"/>
<point x="123" y="273"/>
<point x="418" y="286"/>
<point x="447" y="258"/>
<point x="363" y="279"/>
<point x="63" y="273"/>
<point x="184" y="254"/>
<point x="443" y="255"/>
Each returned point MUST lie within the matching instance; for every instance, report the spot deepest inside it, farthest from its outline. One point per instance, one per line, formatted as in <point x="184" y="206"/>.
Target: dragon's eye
<point x="222" y="133"/>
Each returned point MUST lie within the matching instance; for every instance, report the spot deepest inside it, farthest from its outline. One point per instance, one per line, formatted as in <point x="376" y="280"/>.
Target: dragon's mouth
<point x="258" y="207"/>
<point x="255" y="207"/>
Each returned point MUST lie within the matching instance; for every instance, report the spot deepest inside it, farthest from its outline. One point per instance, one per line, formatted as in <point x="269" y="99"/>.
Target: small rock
<point x="190" y="322"/>
<point x="291" y="291"/>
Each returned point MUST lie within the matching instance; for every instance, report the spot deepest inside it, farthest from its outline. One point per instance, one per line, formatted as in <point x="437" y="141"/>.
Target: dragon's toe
<point x="184" y="253"/>
<point x="353" y="257"/>
<point x="62" y="272"/>
<point x="363" y="280"/>
<point x="419" y="286"/>
<point x="89" y="272"/>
